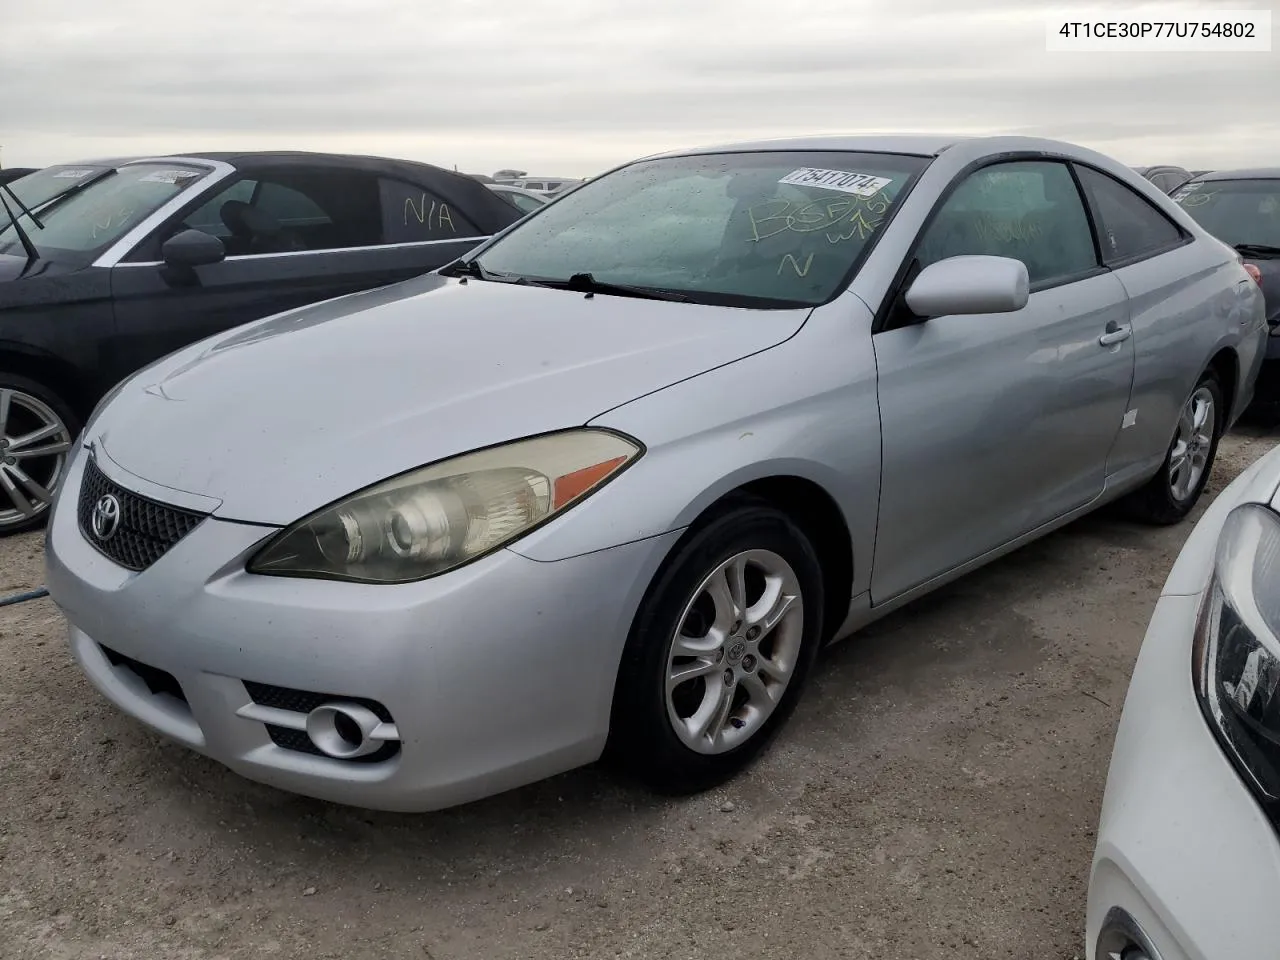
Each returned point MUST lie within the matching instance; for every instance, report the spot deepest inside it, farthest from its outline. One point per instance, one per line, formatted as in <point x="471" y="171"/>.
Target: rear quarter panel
<point x="1186" y="305"/>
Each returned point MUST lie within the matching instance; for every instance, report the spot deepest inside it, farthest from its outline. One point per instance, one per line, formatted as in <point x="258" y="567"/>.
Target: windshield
<point x="35" y="188"/>
<point x="1235" y="211"/>
<point x="86" y="223"/>
<point x="775" y="229"/>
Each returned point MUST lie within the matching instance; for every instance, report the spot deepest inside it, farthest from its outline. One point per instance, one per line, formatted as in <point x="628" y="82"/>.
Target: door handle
<point x="1115" y="334"/>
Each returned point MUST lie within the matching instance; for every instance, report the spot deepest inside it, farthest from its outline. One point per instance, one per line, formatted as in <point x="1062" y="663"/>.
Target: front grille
<point x="157" y="681"/>
<point x="145" y="530"/>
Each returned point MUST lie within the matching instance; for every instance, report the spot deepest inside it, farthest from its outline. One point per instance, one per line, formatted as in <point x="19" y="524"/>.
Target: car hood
<point x="14" y="268"/>
<point x="285" y="415"/>
<point x="1270" y="270"/>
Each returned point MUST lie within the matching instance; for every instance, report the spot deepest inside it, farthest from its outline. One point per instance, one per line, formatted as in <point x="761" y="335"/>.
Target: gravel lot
<point x="934" y="796"/>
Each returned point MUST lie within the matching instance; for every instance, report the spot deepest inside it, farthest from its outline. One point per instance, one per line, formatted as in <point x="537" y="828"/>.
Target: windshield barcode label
<point x="862" y="184"/>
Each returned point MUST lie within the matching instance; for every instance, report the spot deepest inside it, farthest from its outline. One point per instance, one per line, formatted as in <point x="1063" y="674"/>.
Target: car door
<point x="995" y="424"/>
<point x="293" y="236"/>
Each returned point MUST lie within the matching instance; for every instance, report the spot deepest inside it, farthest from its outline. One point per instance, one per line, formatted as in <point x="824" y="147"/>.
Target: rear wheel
<point x="37" y="429"/>
<point x="1172" y="493"/>
<point x="719" y="652"/>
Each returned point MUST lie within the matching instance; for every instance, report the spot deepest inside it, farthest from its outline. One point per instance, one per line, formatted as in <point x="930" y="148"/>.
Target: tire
<point x="31" y="469"/>
<point x="777" y="559"/>
<point x="1163" y="501"/>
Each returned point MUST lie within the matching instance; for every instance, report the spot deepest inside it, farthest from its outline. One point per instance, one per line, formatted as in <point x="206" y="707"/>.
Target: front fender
<point x="806" y="408"/>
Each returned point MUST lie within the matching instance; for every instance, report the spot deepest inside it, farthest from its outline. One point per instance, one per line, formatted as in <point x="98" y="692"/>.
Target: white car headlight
<point x="425" y="522"/>
<point x="1236" y="656"/>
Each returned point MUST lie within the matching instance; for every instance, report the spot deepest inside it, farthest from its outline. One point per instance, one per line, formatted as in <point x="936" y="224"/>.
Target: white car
<point x="1187" y="863"/>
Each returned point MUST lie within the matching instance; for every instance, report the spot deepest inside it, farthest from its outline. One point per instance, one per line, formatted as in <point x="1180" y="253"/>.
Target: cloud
<point x="573" y="85"/>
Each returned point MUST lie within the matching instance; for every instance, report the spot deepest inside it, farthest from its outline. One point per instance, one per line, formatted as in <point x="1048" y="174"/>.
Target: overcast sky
<point x="568" y="87"/>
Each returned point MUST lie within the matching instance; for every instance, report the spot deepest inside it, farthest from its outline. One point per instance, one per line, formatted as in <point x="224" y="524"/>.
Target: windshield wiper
<point x="18" y="200"/>
<point x="30" y="248"/>
<point x="589" y="284"/>
<point x="74" y="188"/>
<point x="1258" y="250"/>
<point x="472" y="268"/>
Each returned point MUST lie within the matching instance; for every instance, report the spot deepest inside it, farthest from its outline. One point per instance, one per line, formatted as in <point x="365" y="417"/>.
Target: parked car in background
<point x="10" y="174"/>
<point x="1242" y="208"/>
<point x="125" y="262"/>
<point x="1167" y="178"/>
<point x="526" y="201"/>
<point x="544" y="185"/>
<point x="1187" y="862"/>
<point x="605" y="485"/>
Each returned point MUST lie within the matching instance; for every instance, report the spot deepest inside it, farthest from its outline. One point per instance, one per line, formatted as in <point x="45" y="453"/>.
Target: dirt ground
<point x="934" y="796"/>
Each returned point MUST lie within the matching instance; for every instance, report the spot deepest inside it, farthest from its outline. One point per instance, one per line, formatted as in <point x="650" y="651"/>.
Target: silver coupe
<point x="605" y="486"/>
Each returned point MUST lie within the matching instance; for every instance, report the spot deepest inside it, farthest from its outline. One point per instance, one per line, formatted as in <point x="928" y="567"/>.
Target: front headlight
<point x="436" y="518"/>
<point x="1236" y="655"/>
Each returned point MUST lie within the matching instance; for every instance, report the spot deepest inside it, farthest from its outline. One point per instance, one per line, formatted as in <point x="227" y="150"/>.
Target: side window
<point x="411" y="214"/>
<point x="289" y="206"/>
<point x="1129" y="226"/>
<point x="1029" y="211"/>
<point x="291" y="211"/>
<point x="206" y="217"/>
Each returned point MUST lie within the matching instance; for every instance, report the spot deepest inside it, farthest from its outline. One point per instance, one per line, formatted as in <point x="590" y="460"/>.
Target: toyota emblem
<point x="106" y="517"/>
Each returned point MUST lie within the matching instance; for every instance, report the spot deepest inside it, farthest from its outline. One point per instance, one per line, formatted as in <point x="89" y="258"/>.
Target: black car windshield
<point x="767" y="229"/>
<point x="79" y="227"/>
<point x="1235" y="211"/>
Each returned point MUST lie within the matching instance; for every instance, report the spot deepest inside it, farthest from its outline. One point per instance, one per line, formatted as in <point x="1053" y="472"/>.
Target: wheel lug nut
<point x="720" y="655"/>
<point x="748" y="663"/>
<point x="753" y="633"/>
<point x="728" y="678"/>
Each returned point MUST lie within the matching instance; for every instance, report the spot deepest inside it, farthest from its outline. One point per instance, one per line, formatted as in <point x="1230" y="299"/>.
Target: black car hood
<point x="44" y="282"/>
<point x="11" y="267"/>
<point x="1270" y="270"/>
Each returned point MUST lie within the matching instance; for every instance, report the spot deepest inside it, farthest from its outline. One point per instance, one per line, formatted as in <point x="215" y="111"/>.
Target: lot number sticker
<point x="861" y="184"/>
<point x="168" y="176"/>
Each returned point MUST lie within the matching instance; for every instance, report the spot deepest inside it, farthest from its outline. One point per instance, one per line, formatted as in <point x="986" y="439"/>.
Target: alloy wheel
<point x="1193" y="444"/>
<point x="735" y="651"/>
<point x="34" y="444"/>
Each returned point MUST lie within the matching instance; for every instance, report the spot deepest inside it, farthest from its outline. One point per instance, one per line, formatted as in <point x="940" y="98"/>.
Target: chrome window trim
<point x="312" y="253"/>
<point x="218" y="170"/>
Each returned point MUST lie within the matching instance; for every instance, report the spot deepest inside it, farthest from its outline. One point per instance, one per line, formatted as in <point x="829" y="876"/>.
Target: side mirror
<point x="192" y="248"/>
<point x="970" y="284"/>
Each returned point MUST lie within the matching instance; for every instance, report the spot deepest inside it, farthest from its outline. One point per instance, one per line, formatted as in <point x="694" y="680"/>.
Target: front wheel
<point x="37" y="429"/>
<point x="719" y="652"/>
<point x="1172" y="493"/>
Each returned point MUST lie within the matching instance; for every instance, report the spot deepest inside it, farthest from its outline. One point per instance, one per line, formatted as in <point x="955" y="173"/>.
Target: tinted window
<point x="1028" y="211"/>
<point x="1235" y="211"/>
<point x="765" y="229"/>
<point x="1128" y="225"/>
<point x="411" y="214"/>
<point x="289" y="211"/>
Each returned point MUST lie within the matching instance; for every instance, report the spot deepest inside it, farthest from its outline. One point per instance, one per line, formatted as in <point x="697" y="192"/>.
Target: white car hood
<point x="285" y="415"/>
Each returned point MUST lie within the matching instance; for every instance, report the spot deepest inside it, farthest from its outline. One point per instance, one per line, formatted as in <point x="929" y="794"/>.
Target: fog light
<point x="343" y="730"/>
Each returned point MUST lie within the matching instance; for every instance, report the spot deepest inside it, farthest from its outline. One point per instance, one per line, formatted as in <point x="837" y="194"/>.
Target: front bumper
<point x="1184" y="852"/>
<point x="493" y="676"/>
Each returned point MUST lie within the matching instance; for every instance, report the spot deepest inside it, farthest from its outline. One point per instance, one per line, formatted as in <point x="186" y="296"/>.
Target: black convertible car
<point x="1242" y="208"/>
<point x="108" y="265"/>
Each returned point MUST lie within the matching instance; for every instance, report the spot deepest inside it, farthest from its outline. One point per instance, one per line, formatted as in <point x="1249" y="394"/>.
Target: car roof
<point x="1252" y="173"/>
<point x="923" y="145"/>
<point x="464" y="193"/>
